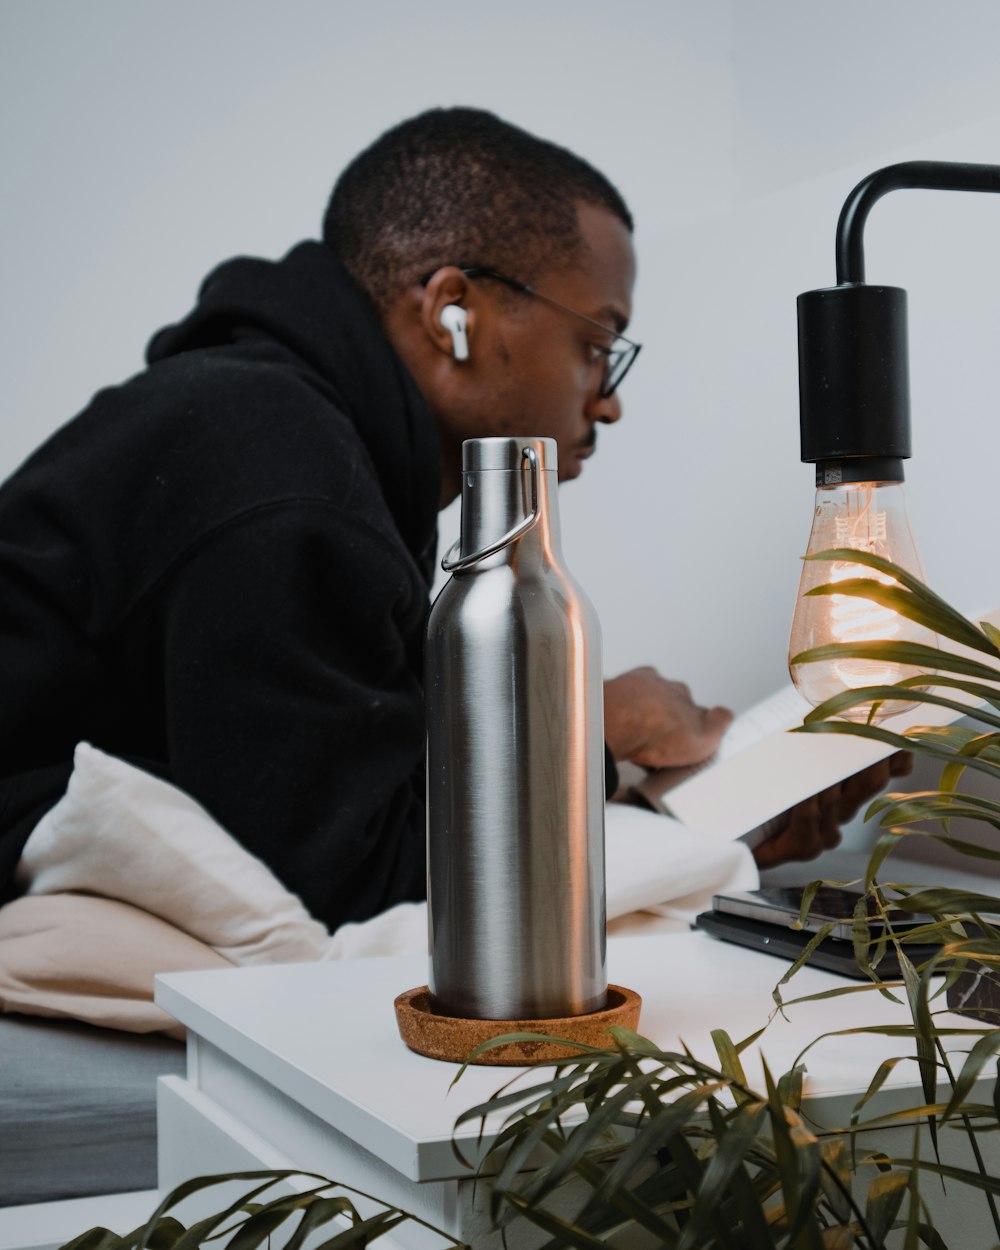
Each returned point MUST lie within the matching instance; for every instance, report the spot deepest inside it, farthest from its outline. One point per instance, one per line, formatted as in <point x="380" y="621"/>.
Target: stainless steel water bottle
<point x="515" y="755"/>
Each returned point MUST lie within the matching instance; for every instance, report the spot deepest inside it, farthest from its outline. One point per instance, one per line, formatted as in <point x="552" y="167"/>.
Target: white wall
<point x="143" y="143"/>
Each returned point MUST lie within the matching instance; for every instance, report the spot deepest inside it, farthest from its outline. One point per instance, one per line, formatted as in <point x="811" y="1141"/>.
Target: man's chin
<point x="571" y="466"/>
<point x="573" y="458"/>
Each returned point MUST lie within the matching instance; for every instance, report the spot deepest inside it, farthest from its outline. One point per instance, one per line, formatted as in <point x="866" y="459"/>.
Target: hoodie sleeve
<point x="294" y="708"/>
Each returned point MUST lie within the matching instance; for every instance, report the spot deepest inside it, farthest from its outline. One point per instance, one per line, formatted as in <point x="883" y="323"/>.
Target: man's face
<point x="534" y="369"/>
<point x="546" y="366"/>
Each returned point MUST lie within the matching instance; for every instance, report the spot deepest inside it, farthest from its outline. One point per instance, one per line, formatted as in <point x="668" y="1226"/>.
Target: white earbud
<point x="454" y="319"/>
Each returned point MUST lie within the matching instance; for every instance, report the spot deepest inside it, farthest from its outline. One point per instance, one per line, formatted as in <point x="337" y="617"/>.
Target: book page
<point x="761" y="769"/>
<point x="778" y="712"/>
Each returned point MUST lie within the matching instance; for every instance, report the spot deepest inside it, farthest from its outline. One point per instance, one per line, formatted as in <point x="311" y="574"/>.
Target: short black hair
<point x="460" y="186"/>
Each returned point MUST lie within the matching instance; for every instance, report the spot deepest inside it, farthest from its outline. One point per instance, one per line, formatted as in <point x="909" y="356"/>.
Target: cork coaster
<point x="452" y="1037"/>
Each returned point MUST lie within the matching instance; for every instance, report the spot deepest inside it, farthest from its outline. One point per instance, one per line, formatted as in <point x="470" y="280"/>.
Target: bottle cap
<point x="479" y="454"/>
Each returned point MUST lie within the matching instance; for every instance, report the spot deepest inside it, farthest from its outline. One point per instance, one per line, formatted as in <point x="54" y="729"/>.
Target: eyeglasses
<point x="617" y="357"/>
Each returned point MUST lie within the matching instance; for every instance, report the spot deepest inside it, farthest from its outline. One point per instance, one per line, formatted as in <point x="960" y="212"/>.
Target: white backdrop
<point x="142" y="143"/>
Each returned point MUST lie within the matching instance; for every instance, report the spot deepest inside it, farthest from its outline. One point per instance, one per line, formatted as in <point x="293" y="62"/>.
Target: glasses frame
<point x="618" y="359"/>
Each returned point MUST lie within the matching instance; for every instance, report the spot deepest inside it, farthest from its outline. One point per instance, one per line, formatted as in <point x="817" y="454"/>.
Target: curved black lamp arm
<point x="913" y="175"/>
<point x="854" y="389"/>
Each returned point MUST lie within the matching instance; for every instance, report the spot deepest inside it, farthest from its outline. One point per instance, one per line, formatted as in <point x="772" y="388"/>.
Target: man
<point x="220" y="569"/>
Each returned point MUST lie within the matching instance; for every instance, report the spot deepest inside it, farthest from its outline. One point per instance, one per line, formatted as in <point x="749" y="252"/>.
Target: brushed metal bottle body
<point x="515" y="756"/>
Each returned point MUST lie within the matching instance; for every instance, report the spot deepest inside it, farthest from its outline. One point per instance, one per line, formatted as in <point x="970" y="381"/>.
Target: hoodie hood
<point x="307" y="306"/>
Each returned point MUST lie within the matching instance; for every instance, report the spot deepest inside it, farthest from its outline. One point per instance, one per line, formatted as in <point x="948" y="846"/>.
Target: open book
<point x="761" y="769"/>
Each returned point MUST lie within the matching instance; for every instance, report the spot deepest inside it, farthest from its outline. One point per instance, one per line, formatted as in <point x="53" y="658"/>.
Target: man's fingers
<point x="814" y="825"/>
<point x="857" y="790"/>
<point x="901" y="764"/>
<point x="828" y="833"/>
<point x="707" y="725"/>
<point x="655" y="722"/>
<point x="716" y="721"/>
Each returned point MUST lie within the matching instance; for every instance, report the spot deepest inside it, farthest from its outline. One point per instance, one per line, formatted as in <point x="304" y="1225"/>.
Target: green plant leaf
<point x="564" y="1232"/>
<point x="799" y="1163"/>
<point x="515" y="1092"/>
<point x="836" y="1178"/>
<point x="319" y="1212"/>
<point x="202" y="1230"/>
<point x="912" y="690"/>
<point x="883" y="848"/>
<point x="631" y="1207"/>
<point x="364" y="1231"/>
<point x="923" y="598"/>
<point x="996" y="1093"/>
<point x="983" y="696"/>
<point x="974" y="1180"/>
<point x="984" y="1050"/>
<point x="508" y="1039"/>
<point x="837" y="704"/>
<point x="924" y="1035"/>
<point x="199" y="1183"/>
<point x="885" y="1196"/>
<point x="983" y="747"/>
<point x="655" y="1132"/>
<point x="931" y="801"/>
<point x="912" y="654"/>
<point x="939" y="900"/>
<point x="162" y="1236"/>
<point x="913" y="1190"/>
<point x="732" y="1147"/>
<point x="259" y="1226"/>
<point x="838" y="991"/>
<point x="162" y="1232"/>
<point x="634" y="1041"/>
<point x="956" y="737"/>
<point x="905" y="603"/>
<point x="529" y="1099"/>
<point x="991" y="632"/>
<point x="808" y="894"/>
<point x="97" y="1239"/>
<point x="643" y="1204"/>
<point x="583" y="1137"/>
<point x="729" y="1062"/>
<point x="972" y="850"/>
<point x="931" y="1238"/>
<point x="882" y="1073"/>
<point x="907" y="812"/>
<point x="899" y="741"/>
<point x="801" y="960"/>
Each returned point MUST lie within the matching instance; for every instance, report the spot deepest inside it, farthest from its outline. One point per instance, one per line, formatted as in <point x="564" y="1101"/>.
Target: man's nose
<point x="606" y="408"/>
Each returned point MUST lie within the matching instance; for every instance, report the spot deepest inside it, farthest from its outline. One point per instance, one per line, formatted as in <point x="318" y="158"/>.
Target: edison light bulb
<point x="868" y="516"/>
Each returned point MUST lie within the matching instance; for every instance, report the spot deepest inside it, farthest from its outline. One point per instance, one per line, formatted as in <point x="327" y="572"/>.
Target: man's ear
<point x="445" y="312"/>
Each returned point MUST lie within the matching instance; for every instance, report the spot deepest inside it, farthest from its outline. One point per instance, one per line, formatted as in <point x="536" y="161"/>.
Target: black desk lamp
<point x="854" y="401"/>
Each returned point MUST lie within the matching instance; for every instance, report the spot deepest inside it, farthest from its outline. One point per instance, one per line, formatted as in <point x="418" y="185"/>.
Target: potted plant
<point x="688" y="1154"/>
<point x="665" y="1149"/>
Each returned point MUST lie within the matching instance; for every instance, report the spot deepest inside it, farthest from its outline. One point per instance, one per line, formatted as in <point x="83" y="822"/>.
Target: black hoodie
<point x="220" y="571"/>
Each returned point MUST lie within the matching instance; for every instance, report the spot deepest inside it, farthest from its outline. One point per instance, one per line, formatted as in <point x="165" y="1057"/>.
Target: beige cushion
<point x="85" y="958"/>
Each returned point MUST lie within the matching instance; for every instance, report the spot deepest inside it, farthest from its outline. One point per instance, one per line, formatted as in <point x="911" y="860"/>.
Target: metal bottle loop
<point x="449" y="565"/>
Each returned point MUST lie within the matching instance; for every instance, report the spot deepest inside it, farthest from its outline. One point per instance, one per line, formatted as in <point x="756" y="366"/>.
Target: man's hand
<point x="813" y="826"/>
<point x="656" y="724"/>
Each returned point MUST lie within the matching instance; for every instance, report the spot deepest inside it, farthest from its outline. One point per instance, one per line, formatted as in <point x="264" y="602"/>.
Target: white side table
<point x="302" y="1066"/>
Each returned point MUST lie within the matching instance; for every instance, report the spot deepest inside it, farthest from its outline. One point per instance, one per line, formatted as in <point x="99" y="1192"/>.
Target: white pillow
<point x="122" y="833"/>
